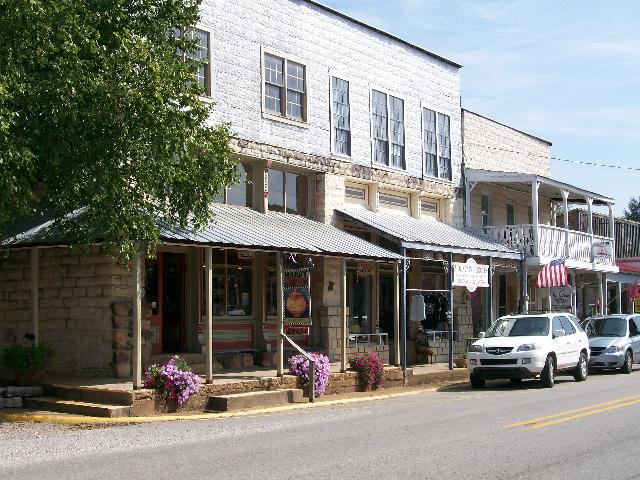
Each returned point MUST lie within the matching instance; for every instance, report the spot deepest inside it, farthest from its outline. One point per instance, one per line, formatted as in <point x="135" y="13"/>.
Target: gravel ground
<point x="16" y="430"/>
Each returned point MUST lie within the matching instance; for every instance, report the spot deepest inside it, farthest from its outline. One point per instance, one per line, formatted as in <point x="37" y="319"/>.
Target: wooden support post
<point x="590" y="225"/>
<point x="344" y="330"/>
<point x="34" y="296"/>
<point x="602" y="294"/>
<point x="535" y="185"/>
<point x="396" y="313"/>
<point x="137" y="323"/>
<point x="619" y="297"/>
<point x="450" y="313"/>
<point x="565" y="205"/>
<point x="280" y="326"/>
<point x="403" y="310"/>
<point x="490" y="294"/>
<point x="612" y="233"/>
<point x="208" y="281"/>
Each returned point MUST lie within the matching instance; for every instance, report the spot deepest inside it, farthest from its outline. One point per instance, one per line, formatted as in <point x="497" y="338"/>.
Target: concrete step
<point x="251" y="400"/>
<point x="91" y="395"/>
<point x="190" y="358"/>
<point x="53" y="404"/>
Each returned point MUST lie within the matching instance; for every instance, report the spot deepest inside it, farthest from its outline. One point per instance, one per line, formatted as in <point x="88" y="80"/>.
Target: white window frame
<point x="208" y="94"/>
<point x="357" y="186"/>
<point x="388" y="93"/>
<point x="305" y="102"/>
<point x="426" y="105"/>
<point x="346" y="78"/>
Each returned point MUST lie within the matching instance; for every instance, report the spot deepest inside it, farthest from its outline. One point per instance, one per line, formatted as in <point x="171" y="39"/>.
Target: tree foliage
<point x="98" y="111"/>
<point x="632" y="212"/>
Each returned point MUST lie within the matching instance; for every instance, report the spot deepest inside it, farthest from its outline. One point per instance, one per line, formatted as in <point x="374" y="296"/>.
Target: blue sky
<point x="566" y="71"/>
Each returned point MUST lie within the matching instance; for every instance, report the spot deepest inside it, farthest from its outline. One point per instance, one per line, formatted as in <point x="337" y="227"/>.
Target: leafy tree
<point x="632" y="212"/>
<point x="98" y="111"/>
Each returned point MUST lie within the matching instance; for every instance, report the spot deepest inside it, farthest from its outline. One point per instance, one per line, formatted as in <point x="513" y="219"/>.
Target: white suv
<point x="526" y="346"/>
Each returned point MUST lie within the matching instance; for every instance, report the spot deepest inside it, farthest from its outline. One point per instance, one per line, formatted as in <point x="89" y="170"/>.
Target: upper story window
<point x="241" y="193"/>
<point x="200" y="53"/>
<point x="341" y="116"/>
<point x="284" y="88"/>
<point x="387" y="151"/>
<point x="287" y="192"/>
<point x="436" y="133"/>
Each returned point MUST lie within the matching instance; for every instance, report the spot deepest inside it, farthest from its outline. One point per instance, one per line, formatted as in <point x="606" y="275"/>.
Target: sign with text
<point x="470" y="275"/>
<point x="562" y="299"/>
<point x="602" y="251"/>
<point x="296" y="330"/>
<point x="296" y="292"/>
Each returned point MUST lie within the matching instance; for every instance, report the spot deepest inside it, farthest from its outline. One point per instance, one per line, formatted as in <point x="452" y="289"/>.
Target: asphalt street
<point x="576" y="430"/>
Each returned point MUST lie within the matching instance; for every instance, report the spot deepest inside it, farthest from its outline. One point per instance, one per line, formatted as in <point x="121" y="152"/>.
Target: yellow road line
<point x="577" y="413"/>
<point x="585" y="414"/>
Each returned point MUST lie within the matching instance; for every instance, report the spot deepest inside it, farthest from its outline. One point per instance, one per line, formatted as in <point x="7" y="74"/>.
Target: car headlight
<point x="475" y="349"/>
<point x="615" y="349"/>
<point x="528" y="347"/>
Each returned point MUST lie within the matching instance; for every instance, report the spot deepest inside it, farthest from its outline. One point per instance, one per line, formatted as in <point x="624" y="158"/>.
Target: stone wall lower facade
<point x="76" y="293"/>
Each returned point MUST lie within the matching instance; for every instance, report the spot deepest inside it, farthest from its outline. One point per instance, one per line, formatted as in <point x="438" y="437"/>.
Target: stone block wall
<point x="490" y="145"/>
<point x="76" y="290"/>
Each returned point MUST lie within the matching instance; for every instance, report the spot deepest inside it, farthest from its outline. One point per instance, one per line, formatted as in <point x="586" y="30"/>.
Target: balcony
<point x="553" y="242"/>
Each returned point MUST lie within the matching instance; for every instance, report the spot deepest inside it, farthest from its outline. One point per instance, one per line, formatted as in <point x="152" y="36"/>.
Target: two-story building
<point x="511" y="196"/>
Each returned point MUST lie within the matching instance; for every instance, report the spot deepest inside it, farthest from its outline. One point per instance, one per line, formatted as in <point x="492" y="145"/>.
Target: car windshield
<point x="520" y="327"/>
<point x="606" y="327"/>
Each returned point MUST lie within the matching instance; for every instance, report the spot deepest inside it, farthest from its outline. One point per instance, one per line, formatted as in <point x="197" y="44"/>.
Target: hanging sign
<point x="562" y="299"/>
<point x="602" y="251"/>
<point x="296" y="291"/>
<point x="470" y="275"/>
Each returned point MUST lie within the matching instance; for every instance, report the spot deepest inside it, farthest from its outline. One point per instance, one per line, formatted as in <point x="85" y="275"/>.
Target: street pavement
<point x="576" y="430"/>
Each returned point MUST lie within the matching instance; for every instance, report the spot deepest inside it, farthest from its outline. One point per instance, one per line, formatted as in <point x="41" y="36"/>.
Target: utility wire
<point x="580" y="162"/>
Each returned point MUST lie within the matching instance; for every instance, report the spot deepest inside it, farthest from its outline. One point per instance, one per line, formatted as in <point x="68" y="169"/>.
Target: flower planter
<point x="29" y="379"/>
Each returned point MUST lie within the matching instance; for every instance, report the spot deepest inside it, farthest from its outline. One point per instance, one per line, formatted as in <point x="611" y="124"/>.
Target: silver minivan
<point x="614" y="341"/>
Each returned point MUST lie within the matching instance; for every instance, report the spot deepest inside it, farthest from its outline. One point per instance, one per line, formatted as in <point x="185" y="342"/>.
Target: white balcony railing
<point x="552" y="242"/>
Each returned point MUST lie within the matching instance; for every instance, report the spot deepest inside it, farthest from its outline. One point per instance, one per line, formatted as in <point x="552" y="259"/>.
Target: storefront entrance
<point x="164" y="293"/>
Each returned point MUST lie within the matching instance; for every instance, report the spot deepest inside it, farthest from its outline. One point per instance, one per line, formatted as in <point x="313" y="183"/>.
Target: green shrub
<point x="26" y="359"/>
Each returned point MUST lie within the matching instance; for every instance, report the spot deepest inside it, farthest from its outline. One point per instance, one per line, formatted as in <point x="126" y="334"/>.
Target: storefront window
<point x="232" y="283"/>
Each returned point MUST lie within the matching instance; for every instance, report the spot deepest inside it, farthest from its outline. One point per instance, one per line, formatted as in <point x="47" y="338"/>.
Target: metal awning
<point x="245" y="228"/>
<point x="428" y="234"/>
<point x="549" y="188"/>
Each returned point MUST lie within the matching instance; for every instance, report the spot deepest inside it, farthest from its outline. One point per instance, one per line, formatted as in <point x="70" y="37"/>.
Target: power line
<point x="566" y="160"/>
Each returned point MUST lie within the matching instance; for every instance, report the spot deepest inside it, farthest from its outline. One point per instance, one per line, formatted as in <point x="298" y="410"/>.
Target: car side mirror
<point x="481" y="335"/>
<point x="559" y="333"/>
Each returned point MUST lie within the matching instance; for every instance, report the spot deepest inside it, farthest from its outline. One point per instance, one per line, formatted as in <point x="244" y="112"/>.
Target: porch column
<point x="34" y="296"/>
<point x="565" y="204"/>
<point x="396" y="313"/>
<point x="450" y="315"/>
<point x="208" y="280"/>
<point x="612" y="232"/>
<point x="590" y="224"/>
<point x="343" y="301"/>
<point x="403" y="309"/>
<point x="574" y="295"/>
<point x="535" y="185"/>
<point x="524" y="288"/>
<point x="280" y="306"/>
<point x="490" y="294"/>
<point x="468" y="188"/>
<point x="137" y="323"/>
<point x="619" y="297"/>
<point x="601" y="294"/>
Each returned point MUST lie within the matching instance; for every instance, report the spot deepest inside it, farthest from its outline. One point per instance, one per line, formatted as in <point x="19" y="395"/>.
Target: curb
<point x="68" y="419"/>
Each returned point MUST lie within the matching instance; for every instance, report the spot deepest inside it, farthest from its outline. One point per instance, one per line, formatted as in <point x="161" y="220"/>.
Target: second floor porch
<point x="496" y="203"/>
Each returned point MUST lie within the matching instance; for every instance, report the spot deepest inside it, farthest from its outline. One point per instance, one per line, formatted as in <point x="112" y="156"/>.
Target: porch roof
<point x="244" y="228"/>
<point x="549" y="188"/>
<point x="429" y="234"/>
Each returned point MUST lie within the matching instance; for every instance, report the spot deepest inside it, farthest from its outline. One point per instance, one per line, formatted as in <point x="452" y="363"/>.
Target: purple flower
<point x="299" y="365"/>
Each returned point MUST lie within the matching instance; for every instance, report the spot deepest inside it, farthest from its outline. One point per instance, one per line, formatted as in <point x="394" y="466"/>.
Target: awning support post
<point x="344" y="326"/>
<point x="535" y="185"/>
<point x="280" y="306"/>
<point x="565" y="205"/>
<point x="209" y="312"/>
<point x="35" y="308"/>
<point x="601" y="293"/>
<point x="524" y="290"/>
<point x="450" y="316"/>
<point x="403" y="310"/>
<point x="490" y="295"/>
<point x="137" y="323"/>
<point x="619" y="297"/>
<point x="396" y="313"/>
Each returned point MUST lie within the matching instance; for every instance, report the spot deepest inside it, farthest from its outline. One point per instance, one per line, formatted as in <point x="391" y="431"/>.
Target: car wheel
<point x="582" y="370"/>
<point x="627" y="366"/>
<point x="477" y="381"/>
<point x="547" y="377"/>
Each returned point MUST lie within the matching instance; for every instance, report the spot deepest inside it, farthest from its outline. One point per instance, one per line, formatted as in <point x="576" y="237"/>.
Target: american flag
<point x="553" y="275"/>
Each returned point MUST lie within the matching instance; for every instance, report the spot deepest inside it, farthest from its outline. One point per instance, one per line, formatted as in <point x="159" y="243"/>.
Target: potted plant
<point x="370" y="370"/>
<point x="461" y="361"/>
<point x="28" y="362"/>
